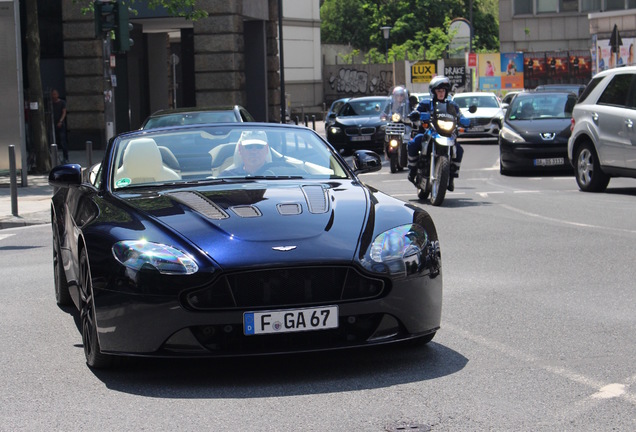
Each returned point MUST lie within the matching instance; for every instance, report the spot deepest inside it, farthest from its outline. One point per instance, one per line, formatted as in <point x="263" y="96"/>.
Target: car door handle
<point x="595" y="117"/>
<point x="629" y="123"/>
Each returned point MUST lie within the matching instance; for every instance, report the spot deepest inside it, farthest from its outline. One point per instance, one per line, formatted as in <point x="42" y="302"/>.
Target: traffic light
<point x="105" y="19"/>
<point x="123" y="42"/>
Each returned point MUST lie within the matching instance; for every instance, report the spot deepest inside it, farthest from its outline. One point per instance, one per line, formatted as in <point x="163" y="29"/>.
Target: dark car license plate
<point x="549" y="162"/>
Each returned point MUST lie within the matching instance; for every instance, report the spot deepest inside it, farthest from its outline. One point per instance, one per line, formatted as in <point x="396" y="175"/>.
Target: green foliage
<point x="419" y="27"/>
<point x="182" y="8"/>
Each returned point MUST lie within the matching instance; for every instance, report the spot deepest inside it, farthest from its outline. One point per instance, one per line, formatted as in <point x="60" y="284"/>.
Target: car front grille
<point x="359" y="131"/>
<point x="284" y="287"/>
<point x="480" y="121"/>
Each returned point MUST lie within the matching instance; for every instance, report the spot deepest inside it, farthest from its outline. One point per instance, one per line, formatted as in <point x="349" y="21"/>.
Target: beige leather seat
<point x="142" y="163"/>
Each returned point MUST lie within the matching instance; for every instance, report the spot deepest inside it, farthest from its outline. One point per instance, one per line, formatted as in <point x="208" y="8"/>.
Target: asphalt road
<point x="537" y="333"/>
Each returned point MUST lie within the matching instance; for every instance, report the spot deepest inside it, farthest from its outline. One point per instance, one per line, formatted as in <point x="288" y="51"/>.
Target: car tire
<point x="587" y="169"/>
<point x="62" y="295"/>
<point x="92" y="350"/>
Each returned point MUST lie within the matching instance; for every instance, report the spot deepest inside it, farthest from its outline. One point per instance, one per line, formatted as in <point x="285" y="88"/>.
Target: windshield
<point x="485" y="101"/>
<point x="542" y="106"/>
<point x="188" y="118"/>
<point x="364" y="107"/>
<point x="213" y="153"/>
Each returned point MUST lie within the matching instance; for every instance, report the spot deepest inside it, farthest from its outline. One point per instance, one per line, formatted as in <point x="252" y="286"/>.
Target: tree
<point x="37" y="124"/>
<point x="419" y="27"/>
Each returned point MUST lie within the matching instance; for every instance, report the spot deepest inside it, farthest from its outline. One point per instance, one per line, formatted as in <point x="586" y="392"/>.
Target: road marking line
<point x="603" y="390"/>
<point x="4" y="236"/>
<point x="576" y="224"/>
<point x="485" y="194"/>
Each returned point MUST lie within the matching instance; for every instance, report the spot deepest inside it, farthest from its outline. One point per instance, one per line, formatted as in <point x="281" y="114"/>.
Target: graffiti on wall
<point x="353" y="81"/>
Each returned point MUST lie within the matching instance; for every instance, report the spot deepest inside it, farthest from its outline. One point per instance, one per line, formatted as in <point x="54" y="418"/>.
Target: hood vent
<point x="316" y="197"/>
<point x="246" y="211"/>
<point x="289" y="209"/>
<point x="200" y="204"/>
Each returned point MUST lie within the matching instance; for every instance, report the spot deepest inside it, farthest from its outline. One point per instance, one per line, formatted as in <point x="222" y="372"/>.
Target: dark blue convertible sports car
<point x="238" y="239"/>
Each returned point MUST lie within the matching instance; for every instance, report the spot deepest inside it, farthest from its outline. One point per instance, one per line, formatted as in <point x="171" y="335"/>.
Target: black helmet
<point x="439" y="82"/>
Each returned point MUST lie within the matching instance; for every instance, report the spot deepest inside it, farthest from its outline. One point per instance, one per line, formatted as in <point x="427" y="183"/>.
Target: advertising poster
<point x="534" y="71"/>
<point x="557" y="64"/>
<point x="455" y="70"/>
<point x="603" y="58"/>
<point x="580" y="66"/>
<point x="490" y="72"/>
<point x="512" y="71"/>
<point x="626" y="57"/>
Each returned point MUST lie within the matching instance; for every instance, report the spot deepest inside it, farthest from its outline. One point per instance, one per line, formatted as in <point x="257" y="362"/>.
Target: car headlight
<point x="136" y="254"/>
<point x="397" y="251"/>
<point x="396" y="117"/>
<point x="511" y="136"/>
<point x="335" y="130"/>
<point x="445" y="125"/>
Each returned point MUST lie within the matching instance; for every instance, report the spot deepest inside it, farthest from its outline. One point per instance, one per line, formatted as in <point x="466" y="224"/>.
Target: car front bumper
<point x="524" y="157"/>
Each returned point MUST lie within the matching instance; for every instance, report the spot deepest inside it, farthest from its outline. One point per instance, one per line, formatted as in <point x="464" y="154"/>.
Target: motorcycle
<point x="398" y="133"/>
<point x="438" y="149"/>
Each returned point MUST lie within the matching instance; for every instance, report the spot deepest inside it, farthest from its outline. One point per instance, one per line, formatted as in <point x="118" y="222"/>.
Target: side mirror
<point x="365" y="161"/>
<point x="63" y="176"/>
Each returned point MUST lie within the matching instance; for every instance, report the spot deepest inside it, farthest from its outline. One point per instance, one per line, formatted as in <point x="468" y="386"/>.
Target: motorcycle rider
<point x="440" y="88"/>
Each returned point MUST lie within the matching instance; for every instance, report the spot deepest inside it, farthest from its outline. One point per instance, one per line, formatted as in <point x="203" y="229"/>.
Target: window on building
<point x="631" y="4"/>
<point x="522" y="7"/>
<point x="544" y="6"/>
<point x="614" y="5"/>
<point x="569" y="5"/>
<point x="590" y="5"/>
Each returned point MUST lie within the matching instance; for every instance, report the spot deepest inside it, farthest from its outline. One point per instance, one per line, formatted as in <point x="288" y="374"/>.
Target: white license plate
<point x="477" y="129"/>
<point x="361" y="138"/>
<point x="549" y="162"/>
<point x="290" y="320"/>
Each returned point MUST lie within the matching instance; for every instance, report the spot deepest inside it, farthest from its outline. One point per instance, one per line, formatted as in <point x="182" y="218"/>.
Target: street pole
<point x="109" y="94"/>
<point x="385" y="34"/>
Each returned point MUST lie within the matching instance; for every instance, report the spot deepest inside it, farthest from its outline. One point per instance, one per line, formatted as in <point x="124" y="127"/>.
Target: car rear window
<point x="616" y="91"/>
<point x="591" y="86"/>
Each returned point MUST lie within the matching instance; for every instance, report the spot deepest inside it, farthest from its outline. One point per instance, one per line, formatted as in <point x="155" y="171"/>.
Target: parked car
<point x="509" y="96"/>
<point x="292" y="254"/>
<point x="360" y="124"/>
<point x="187" y="116"/>
<point x="333" y="111"/>
<point x="535" y="133"/>
<point x="603" y="141"/>
<point x="574" y="88"/>
<point x="487" y="118"/>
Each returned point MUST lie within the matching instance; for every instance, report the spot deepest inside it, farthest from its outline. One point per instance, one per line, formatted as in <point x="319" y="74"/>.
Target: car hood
<point x="482" y="112"/>
<point x="359" y="120"/>
<point x="261" y="222"/>
<point x="534" y="129"/>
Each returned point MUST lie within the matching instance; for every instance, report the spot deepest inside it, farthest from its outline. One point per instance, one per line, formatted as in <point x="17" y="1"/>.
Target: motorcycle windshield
<point x="445" y="118"/>
<point x="400" y="105"/>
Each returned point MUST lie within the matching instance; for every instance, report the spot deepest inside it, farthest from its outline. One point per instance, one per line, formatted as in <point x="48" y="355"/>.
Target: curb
<point x="36" y="218"/>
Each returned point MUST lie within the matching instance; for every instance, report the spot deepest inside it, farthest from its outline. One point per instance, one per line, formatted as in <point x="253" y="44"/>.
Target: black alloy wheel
<point x="62" y="296"/>
<point x="92" y="350"/>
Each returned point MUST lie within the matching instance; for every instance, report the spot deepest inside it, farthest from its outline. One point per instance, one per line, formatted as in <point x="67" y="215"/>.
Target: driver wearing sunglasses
<point x="253" y="153"/>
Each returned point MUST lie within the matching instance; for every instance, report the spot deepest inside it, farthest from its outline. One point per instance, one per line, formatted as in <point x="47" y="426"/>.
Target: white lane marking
<point x="526" y="191"/>
<point x="608" y="390"/>
<point x="4" y="236"/>
<point x="485" y="194"/>
<point x="566" y="222"/>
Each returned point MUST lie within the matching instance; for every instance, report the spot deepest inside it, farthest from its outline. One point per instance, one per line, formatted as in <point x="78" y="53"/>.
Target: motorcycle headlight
<point x="393" y="143"/>
<point x="335" y="130"/>
<point x="136" y="254"/>
<point x="511" y="136"/>
<point x="397" y="251"/>
<point x="445" y="125"/>
<point x="396" y="117"/>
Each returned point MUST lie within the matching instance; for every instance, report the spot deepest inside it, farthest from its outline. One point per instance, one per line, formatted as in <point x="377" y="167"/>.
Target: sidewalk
<point x="34" y="200"/>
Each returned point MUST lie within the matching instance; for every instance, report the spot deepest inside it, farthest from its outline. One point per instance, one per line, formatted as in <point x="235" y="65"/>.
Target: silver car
<point x="603" y="140"/>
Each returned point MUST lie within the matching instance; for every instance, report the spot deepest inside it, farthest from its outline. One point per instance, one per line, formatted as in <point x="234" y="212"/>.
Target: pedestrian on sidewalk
<point x="59" y="118"/>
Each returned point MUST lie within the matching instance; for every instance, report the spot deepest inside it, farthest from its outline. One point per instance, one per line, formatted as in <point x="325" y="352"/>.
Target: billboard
<point x="489" y="71"/>
<point x="512" y="71"/>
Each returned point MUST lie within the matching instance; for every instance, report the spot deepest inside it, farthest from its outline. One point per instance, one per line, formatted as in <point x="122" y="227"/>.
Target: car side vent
<point x="289" y="209"/>
<point x="316" y="197"/>
<point x="200" y="204"/>
<point x="246" y="211"/>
